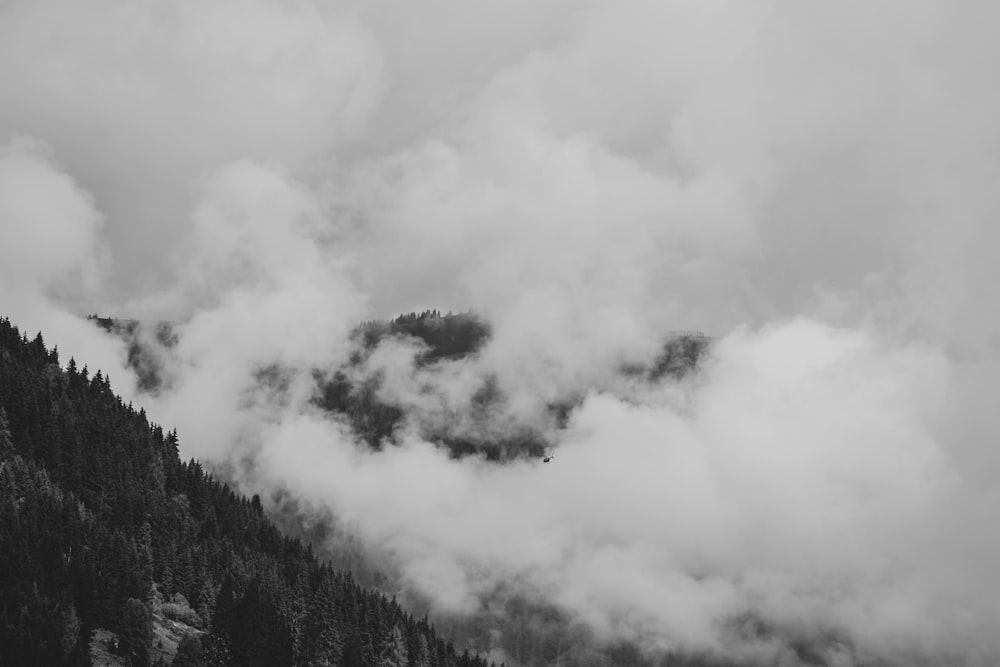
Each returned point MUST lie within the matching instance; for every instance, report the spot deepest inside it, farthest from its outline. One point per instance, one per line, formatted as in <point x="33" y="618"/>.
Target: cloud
<point x="813" y="184"/>
<point x="797" y="481"/>
<point x="52" y="256"/>
<point x="50" y="225"/>
<point x="162" y="94"/>
<point x="262" y="272"/>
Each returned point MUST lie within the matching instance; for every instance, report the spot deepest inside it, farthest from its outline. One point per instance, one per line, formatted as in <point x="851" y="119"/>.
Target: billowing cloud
<point x="50" y="225"/>
<point x="52" y="257"/>
<point x="797" y="479"/>
<point x="814" y="184"/>
<point x="143" y="100"/>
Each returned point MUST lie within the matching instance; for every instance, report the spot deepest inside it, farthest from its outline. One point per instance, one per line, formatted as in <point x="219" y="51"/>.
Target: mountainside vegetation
<point x="106" y="536"/>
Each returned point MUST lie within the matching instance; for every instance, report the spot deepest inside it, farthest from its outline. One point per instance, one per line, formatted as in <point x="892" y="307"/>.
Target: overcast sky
<point x="813" y="183"/>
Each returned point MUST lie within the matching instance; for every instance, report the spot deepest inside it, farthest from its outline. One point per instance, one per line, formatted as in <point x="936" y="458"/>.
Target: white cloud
<point x="588" y="176"/>
<point x="49" y="224"/>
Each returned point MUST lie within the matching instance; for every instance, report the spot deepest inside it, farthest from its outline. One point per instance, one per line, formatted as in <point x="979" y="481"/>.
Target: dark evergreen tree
<point x="136" y="633"/>
<point x="190" y="652"/>
<point x="6" y="444"/>
<point x="261" y="637"/>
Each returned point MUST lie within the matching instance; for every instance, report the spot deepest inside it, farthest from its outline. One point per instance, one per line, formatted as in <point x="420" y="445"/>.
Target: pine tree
<point x="6" y="442"/>
<point x="137" y="632"/>
<point x="260" y="636"/>
<point x="190" y="652"/>
<point x="393" y="653"/>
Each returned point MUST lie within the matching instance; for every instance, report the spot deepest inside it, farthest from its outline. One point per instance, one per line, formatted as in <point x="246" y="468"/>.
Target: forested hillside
<point x="100" y="522"/>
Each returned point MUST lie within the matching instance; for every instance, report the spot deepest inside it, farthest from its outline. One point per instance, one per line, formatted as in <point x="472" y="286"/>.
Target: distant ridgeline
<point x="114" y="550"/>
<point x="448" y="336"/>
<point x="680" y="355"/>
<point x="446" y="339"/>
<point x="352" y="394"/>
<point x="454" y="337"/>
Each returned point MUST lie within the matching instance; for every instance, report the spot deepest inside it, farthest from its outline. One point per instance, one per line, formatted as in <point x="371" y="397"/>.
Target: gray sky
<point x="812" y="182"/>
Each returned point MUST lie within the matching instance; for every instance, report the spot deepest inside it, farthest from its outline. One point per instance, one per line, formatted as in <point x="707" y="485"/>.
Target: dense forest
<point x="113" y="549"/>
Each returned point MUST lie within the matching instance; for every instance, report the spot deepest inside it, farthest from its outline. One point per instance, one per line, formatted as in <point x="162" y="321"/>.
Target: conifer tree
<point x="6" y="442"/>
<point x="190" y="652"/>
<point x="136" y="632"/>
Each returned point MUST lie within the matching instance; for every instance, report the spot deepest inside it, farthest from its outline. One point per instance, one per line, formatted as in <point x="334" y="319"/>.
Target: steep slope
<point x="96" y="507"/>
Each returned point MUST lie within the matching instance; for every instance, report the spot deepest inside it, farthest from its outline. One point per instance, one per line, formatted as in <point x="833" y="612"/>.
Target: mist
<point x="812" y="184"/>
